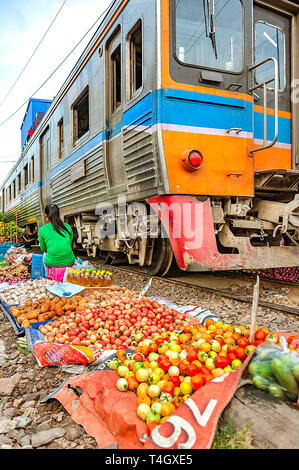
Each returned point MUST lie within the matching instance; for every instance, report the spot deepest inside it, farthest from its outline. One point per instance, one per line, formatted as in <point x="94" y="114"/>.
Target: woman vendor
<point x="55" y="239"/>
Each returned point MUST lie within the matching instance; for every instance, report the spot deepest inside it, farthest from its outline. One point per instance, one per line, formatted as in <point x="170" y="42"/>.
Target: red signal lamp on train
<point x="30" y="132"/>
<point x="193" y="161"/>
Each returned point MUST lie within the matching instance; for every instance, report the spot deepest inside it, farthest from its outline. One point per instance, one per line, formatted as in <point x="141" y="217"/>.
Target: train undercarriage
<point x="228" y="233"/>
<point x="196" y="233"/>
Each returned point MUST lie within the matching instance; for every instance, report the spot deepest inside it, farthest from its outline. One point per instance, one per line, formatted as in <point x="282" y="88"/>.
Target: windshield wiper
<point x="211" y="30"/>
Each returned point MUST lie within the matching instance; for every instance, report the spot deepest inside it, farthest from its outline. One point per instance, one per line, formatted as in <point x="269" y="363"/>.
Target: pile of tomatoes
<point x="165" y="370"/>
<point x="118" y="324"/>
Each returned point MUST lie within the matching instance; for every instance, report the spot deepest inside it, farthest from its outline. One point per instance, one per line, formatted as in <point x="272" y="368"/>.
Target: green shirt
<point x="58" y="248"/>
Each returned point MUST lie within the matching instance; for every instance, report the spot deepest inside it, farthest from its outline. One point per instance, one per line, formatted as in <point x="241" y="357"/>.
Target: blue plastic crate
<point x="37" y="267"/>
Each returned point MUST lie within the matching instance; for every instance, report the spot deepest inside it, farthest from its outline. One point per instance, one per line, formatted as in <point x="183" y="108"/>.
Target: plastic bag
<point x="276" y="370"/>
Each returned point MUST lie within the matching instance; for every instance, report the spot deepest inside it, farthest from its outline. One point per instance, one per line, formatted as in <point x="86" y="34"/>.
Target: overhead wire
<point x="57" y="68"/>
<point x="28" y="61"/>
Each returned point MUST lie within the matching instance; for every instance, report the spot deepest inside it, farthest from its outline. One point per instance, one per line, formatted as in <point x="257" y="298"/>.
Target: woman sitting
<point x="55" y="240"/>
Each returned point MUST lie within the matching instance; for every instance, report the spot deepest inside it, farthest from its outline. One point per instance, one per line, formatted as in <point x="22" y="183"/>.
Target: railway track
<point x="190" y="283"/>
<point x="223" y="293"/>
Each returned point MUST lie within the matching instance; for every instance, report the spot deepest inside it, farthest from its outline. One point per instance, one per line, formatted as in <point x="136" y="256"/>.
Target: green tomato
<point x="156" y="408"/>
<point x="136" y="366"/>
<point x="153" y="417"/>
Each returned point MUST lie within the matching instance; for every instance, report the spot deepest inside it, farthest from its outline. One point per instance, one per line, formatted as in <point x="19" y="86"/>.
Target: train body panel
<point x="140" y="102"/>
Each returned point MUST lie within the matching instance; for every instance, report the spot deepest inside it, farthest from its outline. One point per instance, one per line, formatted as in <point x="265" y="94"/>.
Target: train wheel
<point x="162" y="258"/>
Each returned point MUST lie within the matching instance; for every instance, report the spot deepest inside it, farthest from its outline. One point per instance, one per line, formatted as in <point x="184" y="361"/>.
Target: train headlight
<point x="193" y="161"/>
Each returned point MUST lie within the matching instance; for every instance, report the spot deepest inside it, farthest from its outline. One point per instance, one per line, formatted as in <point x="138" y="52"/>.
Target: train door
<point x="271" y="77"/>
<point x="114" y="109"/>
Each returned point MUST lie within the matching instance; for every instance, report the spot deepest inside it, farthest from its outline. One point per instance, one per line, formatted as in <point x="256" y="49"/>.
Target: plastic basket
<point x="37" y="267"/>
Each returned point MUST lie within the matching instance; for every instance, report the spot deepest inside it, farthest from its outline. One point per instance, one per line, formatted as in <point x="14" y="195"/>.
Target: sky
<point x="22" y="25"/>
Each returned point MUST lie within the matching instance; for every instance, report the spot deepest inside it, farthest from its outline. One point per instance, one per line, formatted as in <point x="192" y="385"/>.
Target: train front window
<point x="269" y="42"/>
<point x="209" y="33"/>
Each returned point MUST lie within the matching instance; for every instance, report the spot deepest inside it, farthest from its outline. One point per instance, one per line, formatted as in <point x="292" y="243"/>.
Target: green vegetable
<point x="260" y="382"/>
<point x="296" y="372"/>
<point x="284" y="376"/>
<point x="254" y="368"/>
<point x="265" y="370"/>
<point x="276" y="391"/>
<point x="153" y="417"/>
<point x="292" y="396"/>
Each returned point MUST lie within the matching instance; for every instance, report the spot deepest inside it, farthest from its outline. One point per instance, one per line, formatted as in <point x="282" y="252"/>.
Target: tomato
<point x="222" y="362"/>
<point x="178" y="401"/>
<point x="260" y="335"/>
<point x="192" y="370"/>
<point x="153" y="347"/>
<point x="169" y="388"/>
<point x="183" y="369"/>
<point x="132" y="383"/>
<point x="165" y="364"/>
<point x="209" y="377"/>
<point x="204" y="370"/>
<point x="151" y="426"/>
<point x="231" y="357"/>
<point x="197" y="382"/>
<point x="243" y="343"/>
<point x="293" y="340"/>
<point x="175" y="380"/>
<point x="240" y="352"/>
<point x="257" y="342"/>
<point x="191" y="355"/>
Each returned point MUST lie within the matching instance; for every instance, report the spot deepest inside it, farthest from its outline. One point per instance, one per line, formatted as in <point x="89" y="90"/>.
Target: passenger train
<point x="190" y="109"/>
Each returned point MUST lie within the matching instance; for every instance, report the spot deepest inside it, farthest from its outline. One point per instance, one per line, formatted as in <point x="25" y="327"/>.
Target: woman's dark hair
<point x="52" y="212"/>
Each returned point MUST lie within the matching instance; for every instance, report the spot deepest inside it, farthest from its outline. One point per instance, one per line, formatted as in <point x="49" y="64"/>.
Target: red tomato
<point x="240" y="352"/>
<point x="191" y="355"/>
<point x="260" y="335"/>
<point x="178" y="401"/>
<point x="257" y="342"/>
<point x="165" y="364"/>
<point x="192" y="369"/>
<point x="175" y="380"/>
<point x="243" y="343"/>
<point x="204" y="370"/>
<point x="151" y="426"/>
<point x="231" y="356"/>
<point x="183" y="369"/>
<point x="222" y="361"/>
<point x="169" y="388"/>
<point x="197" y="382"/>
<point x="153" y="347"/>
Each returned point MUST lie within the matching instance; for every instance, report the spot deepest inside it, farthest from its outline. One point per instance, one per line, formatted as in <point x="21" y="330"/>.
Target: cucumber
<point x="265" y="370"/>
<point x="276" y="391"/>
<point x="284" y="376"/>
<point x="254" y="368"/>
<point x="292" y="396"/>
<point x="260" y="382"/>
<point x="296" y="372"/>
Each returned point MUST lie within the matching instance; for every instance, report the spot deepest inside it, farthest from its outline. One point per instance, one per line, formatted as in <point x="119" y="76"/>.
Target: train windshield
<point x="209" y="33"/>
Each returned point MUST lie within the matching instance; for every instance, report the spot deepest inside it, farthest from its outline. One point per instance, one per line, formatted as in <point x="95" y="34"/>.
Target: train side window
<point x="134" y="45"/>
<point x="13" y="189"/>
<point x="80" y="112"/>
<point x="60" y="139"/>
<point x="32" y="169"/>
<point x="19" y="183"/>
<point x="116" y="78"/>
<point x="270" y="42"/>
<point x="25" y="174"/>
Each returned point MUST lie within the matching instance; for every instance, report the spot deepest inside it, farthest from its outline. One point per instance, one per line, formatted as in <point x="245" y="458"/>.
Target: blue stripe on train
<point x="182" y="108"/>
